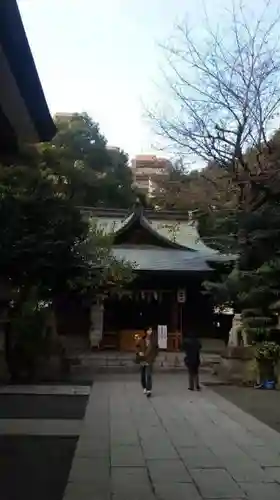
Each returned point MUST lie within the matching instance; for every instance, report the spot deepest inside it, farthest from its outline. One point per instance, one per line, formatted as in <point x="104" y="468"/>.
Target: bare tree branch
<point x="225" y="92"/>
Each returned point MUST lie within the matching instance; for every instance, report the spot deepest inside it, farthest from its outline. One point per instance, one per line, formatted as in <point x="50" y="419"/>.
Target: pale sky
<point x="102" y="57"/>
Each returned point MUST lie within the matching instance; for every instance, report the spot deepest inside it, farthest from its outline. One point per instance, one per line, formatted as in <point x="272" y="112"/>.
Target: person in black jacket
<point x="192" y="347"/>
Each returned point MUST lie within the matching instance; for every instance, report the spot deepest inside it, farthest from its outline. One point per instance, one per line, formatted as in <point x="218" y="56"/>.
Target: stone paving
<point x="175" y="446"/>
<point x="42" y="426"/>
<point x="50" y="390"/>
<point x="39" y="427"/>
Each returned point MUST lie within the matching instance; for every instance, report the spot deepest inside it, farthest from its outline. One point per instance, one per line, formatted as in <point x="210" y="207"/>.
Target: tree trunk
<point x="8" y="349"/>
<point x="51" y="323"/>
<point x="11" y="356"/>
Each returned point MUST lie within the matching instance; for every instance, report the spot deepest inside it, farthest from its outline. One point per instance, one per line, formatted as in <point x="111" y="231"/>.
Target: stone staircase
<point x="121" y="361"/>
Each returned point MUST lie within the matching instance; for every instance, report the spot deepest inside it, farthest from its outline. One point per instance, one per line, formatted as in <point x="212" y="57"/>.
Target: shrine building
<point x="170" y="263"/>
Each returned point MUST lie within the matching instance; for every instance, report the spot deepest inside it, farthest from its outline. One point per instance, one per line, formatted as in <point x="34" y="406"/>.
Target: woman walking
<point x="147" y="349"/>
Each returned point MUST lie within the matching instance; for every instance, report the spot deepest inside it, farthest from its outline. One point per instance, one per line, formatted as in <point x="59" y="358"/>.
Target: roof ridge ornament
<point x="138" y="208"/>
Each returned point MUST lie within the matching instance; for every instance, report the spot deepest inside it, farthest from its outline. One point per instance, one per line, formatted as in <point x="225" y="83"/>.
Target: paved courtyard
<point x="176" y="446"/>
<point x="39" y="429"/>
<point x="264" y="405"/>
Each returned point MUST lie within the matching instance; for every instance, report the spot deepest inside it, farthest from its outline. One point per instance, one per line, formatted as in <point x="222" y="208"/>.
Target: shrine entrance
<point x="138" y="310"/>
<point x="132" y="312"/>
<point x="177" y="303"/>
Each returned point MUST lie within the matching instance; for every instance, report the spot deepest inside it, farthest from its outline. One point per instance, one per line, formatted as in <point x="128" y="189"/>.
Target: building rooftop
<point x="174" y="225"/>
<point x="24" y="114"/>
<point x="161" y="259"/>
<point x="174" y="241"/>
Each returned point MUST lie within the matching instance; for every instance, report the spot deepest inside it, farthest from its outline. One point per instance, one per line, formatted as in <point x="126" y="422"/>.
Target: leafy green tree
<point x="96" y="175"/>
<point x="252" y="286"/>
<point x="46" y="246"/>
<point x="40" y="228"/>
<point x="40" y="233"/>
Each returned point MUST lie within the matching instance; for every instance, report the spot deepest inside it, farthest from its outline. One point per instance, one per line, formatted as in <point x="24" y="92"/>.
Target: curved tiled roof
<point x="182" y="248"/>
<point x="182" y="233"/>
<point x="110" y="224"/>
<point x="161" y="259"/>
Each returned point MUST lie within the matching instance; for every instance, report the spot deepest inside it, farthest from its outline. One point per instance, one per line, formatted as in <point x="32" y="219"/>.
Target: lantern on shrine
<point x="181" y="296"/>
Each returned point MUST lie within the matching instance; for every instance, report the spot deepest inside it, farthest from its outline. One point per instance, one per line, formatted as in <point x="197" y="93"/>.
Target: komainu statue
<point x="237" y="335"/>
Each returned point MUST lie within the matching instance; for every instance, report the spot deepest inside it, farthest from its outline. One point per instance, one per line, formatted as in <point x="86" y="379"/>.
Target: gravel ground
<point x="264" y="405"/>
<point x="34" y="467"/>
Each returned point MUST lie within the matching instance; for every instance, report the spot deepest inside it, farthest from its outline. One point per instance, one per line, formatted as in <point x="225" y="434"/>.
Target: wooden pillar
<point x="175" y="314"/>
<point x="181" y="318"/>
<point x="175" y="337"/>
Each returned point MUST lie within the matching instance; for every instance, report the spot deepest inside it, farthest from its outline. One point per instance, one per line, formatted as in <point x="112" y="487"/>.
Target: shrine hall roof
<point x="174" y="226"/>
<point x="175" y="244"/>
<point x="161" y="259"/>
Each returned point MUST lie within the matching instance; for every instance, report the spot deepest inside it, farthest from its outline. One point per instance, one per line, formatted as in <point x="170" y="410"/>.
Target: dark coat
<point x="149" y="351"/>
<point x="192" y="347"/>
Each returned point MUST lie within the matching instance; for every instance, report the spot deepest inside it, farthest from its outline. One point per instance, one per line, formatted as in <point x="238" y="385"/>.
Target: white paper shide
<point x="162" y="336"/>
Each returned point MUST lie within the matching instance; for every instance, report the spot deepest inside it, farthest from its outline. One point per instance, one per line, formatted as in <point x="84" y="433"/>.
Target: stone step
<point x="127" y="361"/>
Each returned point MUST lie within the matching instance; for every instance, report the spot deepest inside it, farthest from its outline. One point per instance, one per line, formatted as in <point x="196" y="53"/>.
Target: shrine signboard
<point x="162" y="336"/>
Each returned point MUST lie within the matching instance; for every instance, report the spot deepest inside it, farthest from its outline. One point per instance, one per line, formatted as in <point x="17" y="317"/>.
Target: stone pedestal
<point x="96" y="324"/>
<point x="238" y="365"/>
